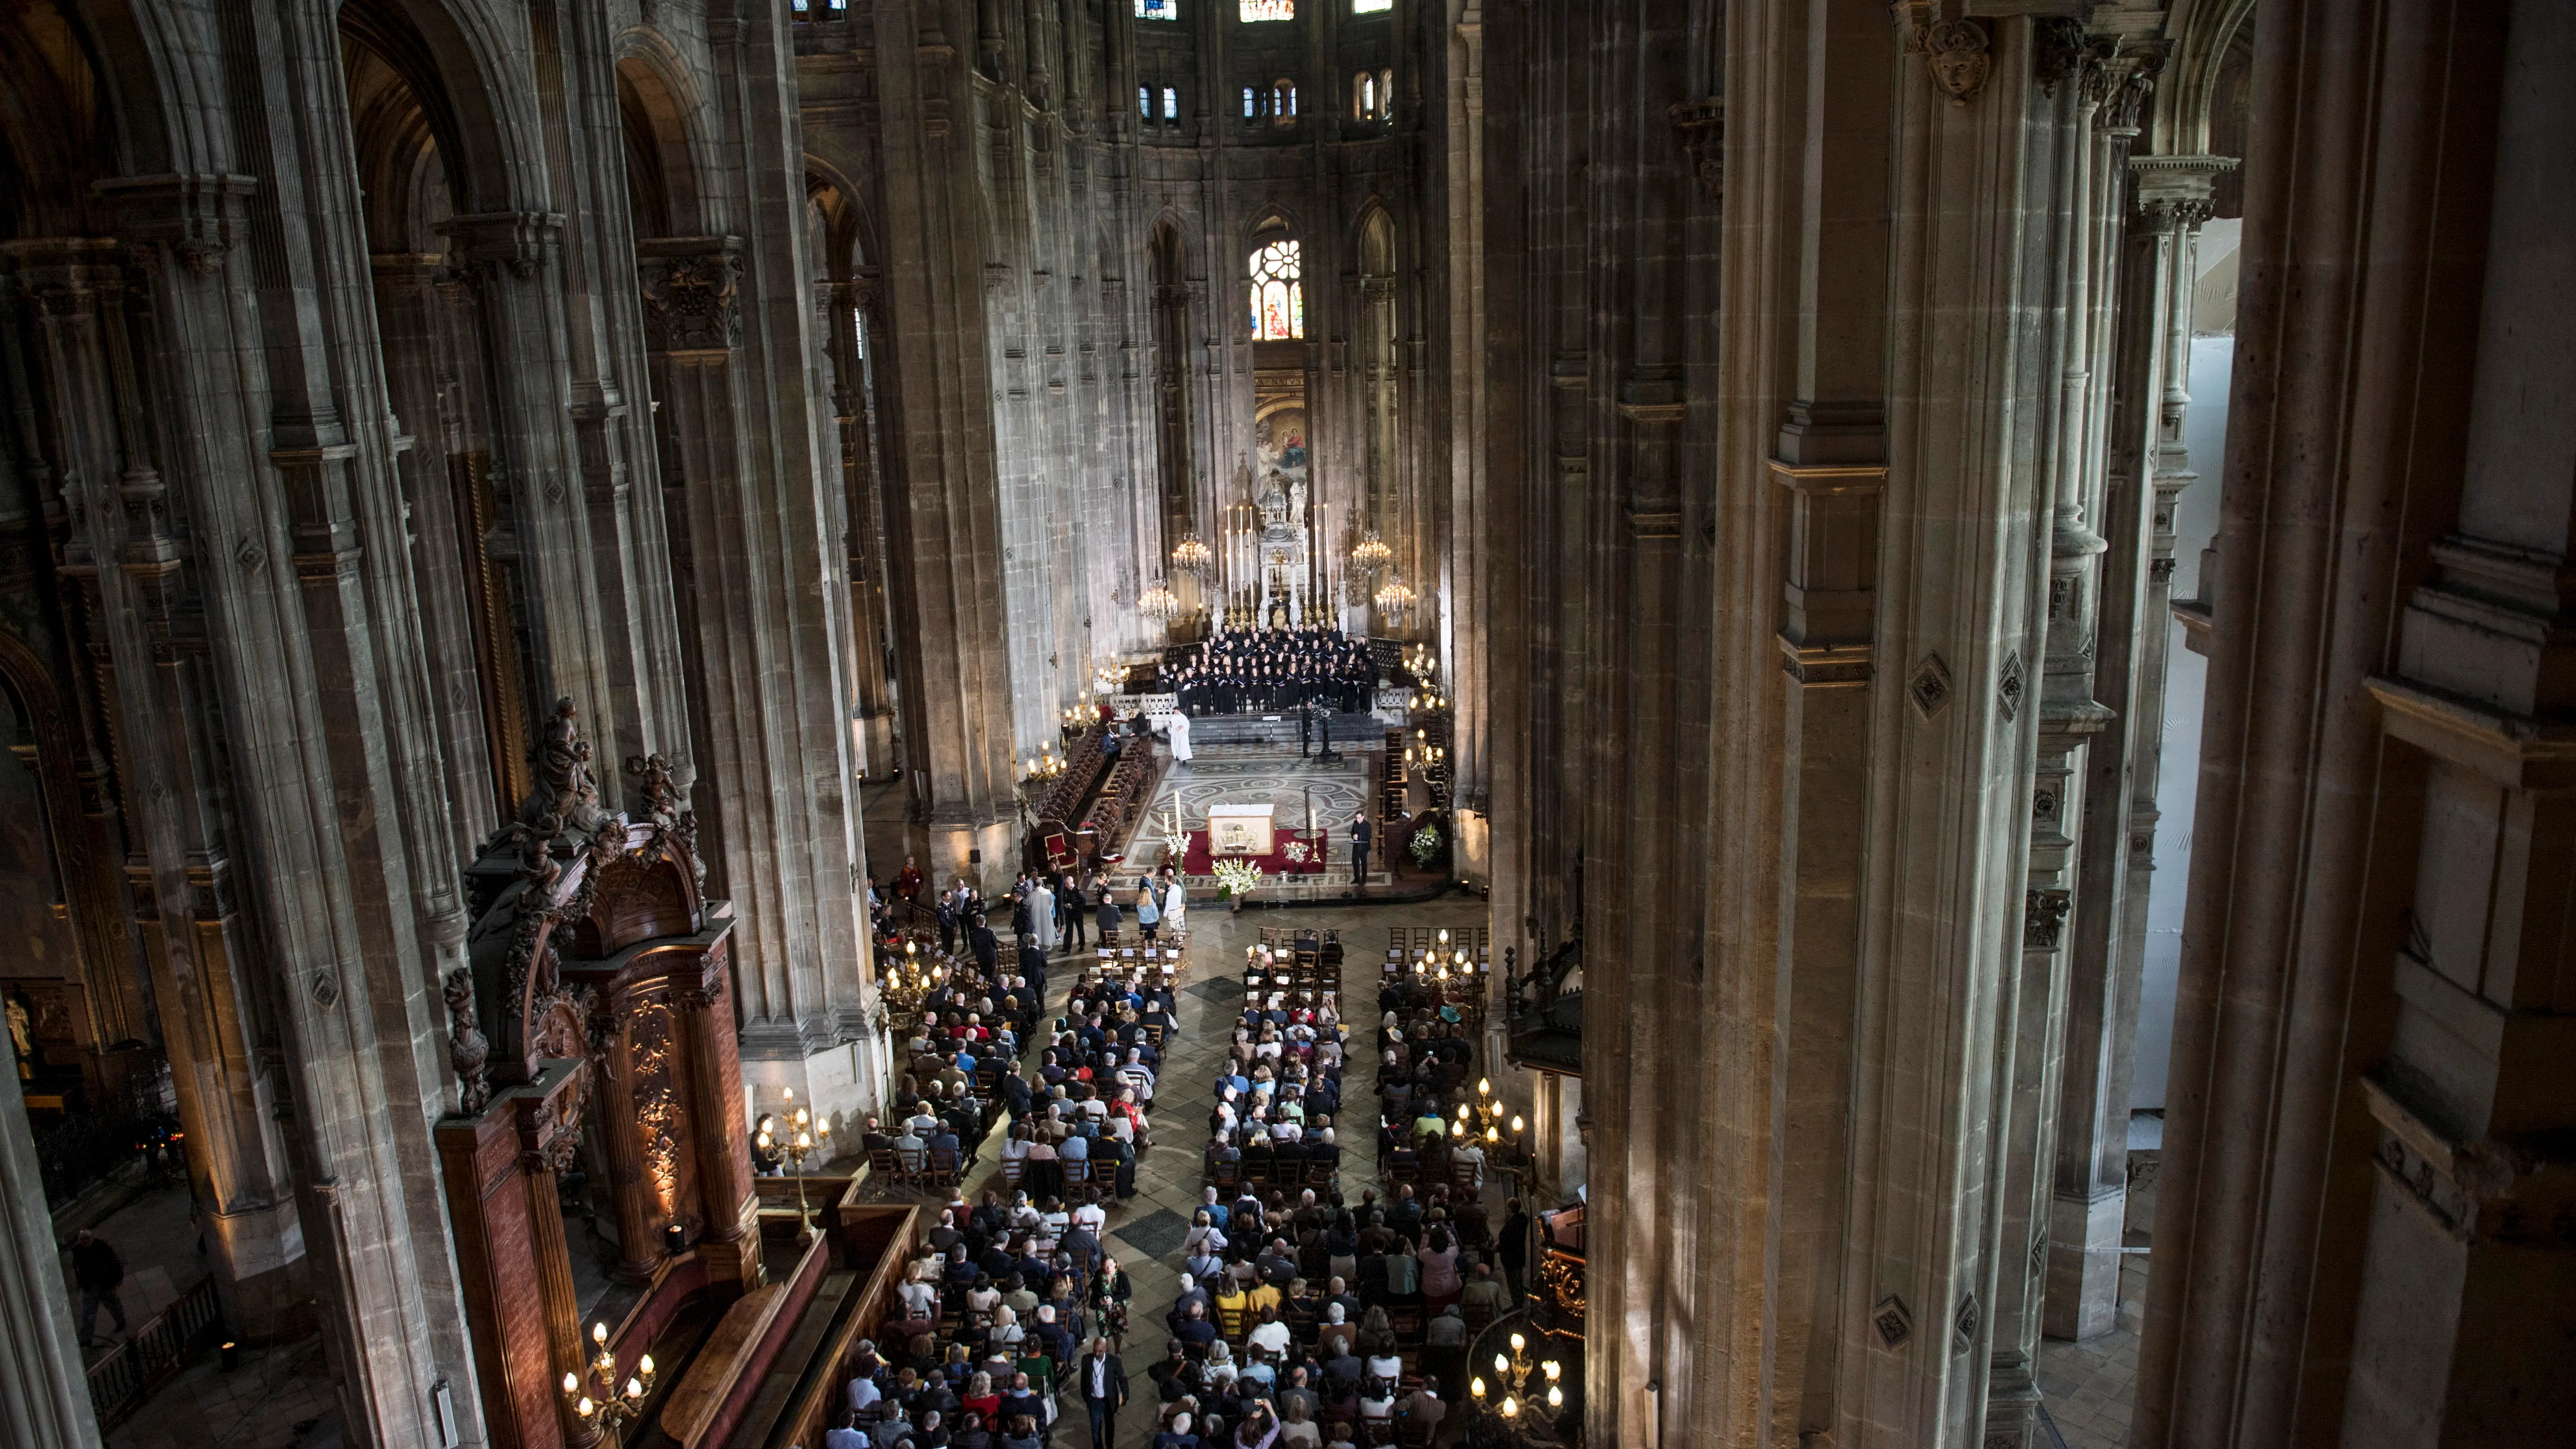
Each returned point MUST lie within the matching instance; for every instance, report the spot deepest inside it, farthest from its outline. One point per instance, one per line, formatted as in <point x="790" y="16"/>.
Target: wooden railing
<point x="154" y="1354"/>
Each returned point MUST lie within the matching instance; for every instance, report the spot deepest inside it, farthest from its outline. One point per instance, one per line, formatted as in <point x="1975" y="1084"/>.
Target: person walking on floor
<point x="1359" y="850"/>
<point x="100" y="1273"/>
<point x="1148" y="914"/>
<point x="1104" y="1390"/>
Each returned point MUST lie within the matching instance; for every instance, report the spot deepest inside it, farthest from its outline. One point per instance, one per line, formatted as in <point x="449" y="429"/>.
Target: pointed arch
<point x="658" y="111"/>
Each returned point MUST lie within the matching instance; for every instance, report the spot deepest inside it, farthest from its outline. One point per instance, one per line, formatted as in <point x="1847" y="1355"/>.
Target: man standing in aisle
<point x="1359" y="850"/>
<point x="100" y="1273"/>
<point x="1104" y="1389"/>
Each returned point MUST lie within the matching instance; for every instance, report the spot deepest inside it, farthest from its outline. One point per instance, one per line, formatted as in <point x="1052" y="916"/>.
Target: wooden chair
<point x="1321" y="1174"/>
<point x="1462" y="1176"/>
<point x="1013" y="1169"/>
<point x="940" y="1171"/>
<point x="1406" y="1319"/>
<point x="1228" y="1175"/>
<point x="882" y="1162"/>
<point x="1413" y="1433"/>
<point x="1478" y="1315"/>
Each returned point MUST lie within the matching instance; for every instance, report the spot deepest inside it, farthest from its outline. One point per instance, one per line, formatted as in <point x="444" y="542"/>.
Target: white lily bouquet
<point x="1237" y="876"/>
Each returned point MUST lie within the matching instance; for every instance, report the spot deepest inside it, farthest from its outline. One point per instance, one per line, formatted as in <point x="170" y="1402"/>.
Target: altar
<point x="1240" y="829"/>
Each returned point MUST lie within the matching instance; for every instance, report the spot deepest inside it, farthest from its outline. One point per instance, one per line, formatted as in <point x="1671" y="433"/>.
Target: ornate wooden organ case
<point x="597" y="999"/>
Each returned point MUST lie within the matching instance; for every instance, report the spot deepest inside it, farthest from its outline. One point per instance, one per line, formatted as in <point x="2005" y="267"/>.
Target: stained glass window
<point x="1158" y="9"/>
<point x="1364" y="7"/>
<point x="1247" y="103"/>
<point x="1268" y="10"/>
<point x="1171" y="104"/>
<point x="1278" y="293"/>
<point x="1145" y="102"/>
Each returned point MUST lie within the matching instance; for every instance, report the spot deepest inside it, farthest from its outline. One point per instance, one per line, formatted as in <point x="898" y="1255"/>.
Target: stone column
<point x="944" y="537"/>
<point x="180" y="873"/>
<point x="44" y="1395"/>
<point x="2107" y="928"/>
<point x="506" y="258"/>
<point x="1814" y="130"/>
<point x="849" y="308"/>
<point x="2348" y="1241"/>
<point x="1468" y="567"/>
<point x="2091" y="93"/>
<point x="2468" y="1279"/>
<point x="1962" y="582"/>
<point x="408" y="311"/>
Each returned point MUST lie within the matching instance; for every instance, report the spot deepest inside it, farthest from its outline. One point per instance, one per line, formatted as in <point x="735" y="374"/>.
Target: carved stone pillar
<point x="848" y="312"/>
<point x="2108" y="924"/>
<point x="1981" y="179"/>
<point x="180" y="873"/>
<point x="2356" y="1240"/>
<point x="44" y="1396"/>
<point x="507" y="259"/>
<point x="943" y="524"/>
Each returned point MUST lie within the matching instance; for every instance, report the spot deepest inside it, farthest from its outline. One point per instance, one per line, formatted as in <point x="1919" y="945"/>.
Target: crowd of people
<point x="1273" y="670"/>
<point x="1296" y="1301"/>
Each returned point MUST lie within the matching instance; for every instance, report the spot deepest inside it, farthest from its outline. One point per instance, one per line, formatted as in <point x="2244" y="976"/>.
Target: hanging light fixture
<point x="1393" y="597"/>
<point x="1159" y="602"/>
<point x="1372" y="554"/>
<point x="1192" y="557"/>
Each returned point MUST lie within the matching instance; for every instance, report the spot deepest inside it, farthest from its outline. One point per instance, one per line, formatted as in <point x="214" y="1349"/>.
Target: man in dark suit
<point x="1359" y="850"/>
<point x="1103" y="1380"/>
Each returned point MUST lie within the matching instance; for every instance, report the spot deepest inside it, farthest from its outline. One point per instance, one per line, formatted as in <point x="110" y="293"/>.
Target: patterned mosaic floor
<point x="1249" y="776"/>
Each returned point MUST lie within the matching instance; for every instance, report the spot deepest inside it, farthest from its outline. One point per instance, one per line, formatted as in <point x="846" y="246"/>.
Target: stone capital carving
<point x="692" y="293"/>
<point x="1957" y="54"/>
<point x="487" y="243"/>
<point x="198" y="216"/>
<point x="2174" y="191"/>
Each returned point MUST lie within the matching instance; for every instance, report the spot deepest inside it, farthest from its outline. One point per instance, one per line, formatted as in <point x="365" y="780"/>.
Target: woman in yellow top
<point x="1233" y="1308"/>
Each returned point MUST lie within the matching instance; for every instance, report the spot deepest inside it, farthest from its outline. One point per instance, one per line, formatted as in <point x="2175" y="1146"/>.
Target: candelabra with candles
<point x="906" y="985"/>
<point x="1046" y="765"/>
<point x="1510" y="1393"/>
<point x="1192" y="556"/>
<point x="1159" y="602"/>
<point x="597" y="1399"/>
<point x="807" y="1135"/>
<point x="1372" y="554"/>
<point x="1393" y="597"/>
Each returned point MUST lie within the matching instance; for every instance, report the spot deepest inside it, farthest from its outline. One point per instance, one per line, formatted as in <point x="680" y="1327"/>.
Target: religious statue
<point x="468" y="1051"/>
<point x="565" y="789"/>
<point x="1273" y="502"/>
<point x="22" y="1037"/>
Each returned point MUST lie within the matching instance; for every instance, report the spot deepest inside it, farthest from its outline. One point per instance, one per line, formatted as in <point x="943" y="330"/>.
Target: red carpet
<point x="1196" y="861"/>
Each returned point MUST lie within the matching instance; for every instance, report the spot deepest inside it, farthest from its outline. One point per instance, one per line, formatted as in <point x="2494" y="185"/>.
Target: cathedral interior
<point x="1951" y="622"/>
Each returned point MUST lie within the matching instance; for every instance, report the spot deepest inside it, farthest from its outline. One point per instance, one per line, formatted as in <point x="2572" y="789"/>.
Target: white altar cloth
<point x="1240" y="829"/>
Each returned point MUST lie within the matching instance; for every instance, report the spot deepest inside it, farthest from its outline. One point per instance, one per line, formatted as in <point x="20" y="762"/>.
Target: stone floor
<point x="274" y="1398"/>
<point x="2087" y="1386"/>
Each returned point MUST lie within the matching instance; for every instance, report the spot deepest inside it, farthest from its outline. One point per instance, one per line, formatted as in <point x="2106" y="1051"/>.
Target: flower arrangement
<point x="1297" y="851"/>
<point x="1425" y="844"/>
<point x="1237" y="877"/>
